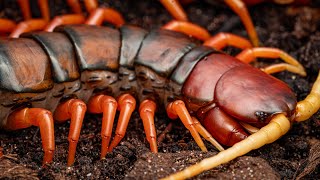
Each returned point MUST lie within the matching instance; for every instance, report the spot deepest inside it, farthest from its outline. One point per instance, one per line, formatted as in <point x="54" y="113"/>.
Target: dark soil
<point x="294" y="156"/>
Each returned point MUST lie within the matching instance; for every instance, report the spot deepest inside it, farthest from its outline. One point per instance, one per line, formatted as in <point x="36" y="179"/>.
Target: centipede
<point x="75" y="65"/>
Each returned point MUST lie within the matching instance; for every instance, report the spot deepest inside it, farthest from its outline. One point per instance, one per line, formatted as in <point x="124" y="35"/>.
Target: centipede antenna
<point x="311" y="104"/>
<point x="277" y="127"/>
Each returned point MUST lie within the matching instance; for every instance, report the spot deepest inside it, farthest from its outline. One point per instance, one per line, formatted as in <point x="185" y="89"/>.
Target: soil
<point x="295" y="30"/>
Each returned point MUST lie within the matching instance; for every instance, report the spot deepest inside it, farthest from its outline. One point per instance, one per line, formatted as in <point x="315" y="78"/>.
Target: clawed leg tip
<point x="70" y="164"/>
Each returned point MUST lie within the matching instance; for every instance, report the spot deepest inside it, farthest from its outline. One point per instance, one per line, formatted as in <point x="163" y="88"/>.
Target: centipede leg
<point x="177" y="109"/>
<point x="221" y="40"/>
<point x="100" y="15"/>
<point x="6" y="25"/>
<point x="188" y="28"/>
<point x="147" y="109"/>
<point x="205" y="134"/>
<point x="42" y="118"/>
<point x="126" y="105"/>
<point x="25" y="9"/>
<point x="65" y="19"/>
<point x="75" y="6"/>
<point x="75" y="110"/>
<point x="27" y="26"/>
<point x="44" y="9"/>
<point x="91" y="5"/>
<point x="108" y="106"/>
<point x="290" y="64"/>
<point x="241" y="10"/>
<point x="175" y="9"/>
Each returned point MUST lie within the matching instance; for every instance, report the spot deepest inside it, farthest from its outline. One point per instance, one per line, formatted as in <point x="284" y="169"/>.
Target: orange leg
<point x="91" y="5"/>
<point x="205" y="134"/>
<point x="25" y="9"/>
<point x="292" y="64"/>
<point x="43" y="5"/>
<point x="147" y="109"/>
<point x="7" y="25"/>
<point x="175" y="9"/>
<point x="65" y="19"/>
<point x="75" y="110"/>
<point x="27" y="26"/>
<point x="27" y="117"/>
<point x="241" y="10"/>
<point x="188" y="28"/>
<point x="44" y="9"/>
<point x="108" y="106"/>
<point x="127" y="104"/>
<point x="100" y="15"/>
<point x="221" y="40"/>
<point x="75" y="6"/>
<point x="177" y="109"/>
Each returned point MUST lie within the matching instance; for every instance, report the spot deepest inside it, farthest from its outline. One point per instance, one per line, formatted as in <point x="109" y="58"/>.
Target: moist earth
<point x="294" y="156"/>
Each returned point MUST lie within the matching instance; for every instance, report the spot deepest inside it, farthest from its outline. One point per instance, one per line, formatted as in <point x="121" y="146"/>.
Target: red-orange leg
<point x="65" y="19"/>
<point x="75" y="6"/>
<point x="108" y="106"/>
<point x="221" y="40"/>
<point x="205" y="134"/>
<point x="42" y="118"/>
<point x="147" y="109"/>
<point x="27" y="26"/>
<point x="44" y="9"/>
<point x="188" y="28"/>
<point x="7" y="25"/>
<point x="91" y="5"/>
<point x="126" y="105"/>
<point x="291" y="64"/>
<point x="75" y="110"/>
<point x="241" y="10"/>
<point x="100" y="15"/>
<point x="177" y="109"/>
<point x="25" y="9"/>
<point x="175" y="9"/>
